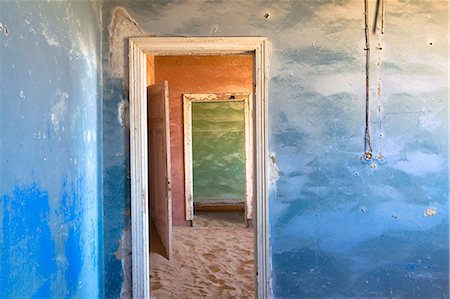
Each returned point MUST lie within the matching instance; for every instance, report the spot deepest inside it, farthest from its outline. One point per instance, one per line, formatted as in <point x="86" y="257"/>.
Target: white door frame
<point x="247" y="100"/>
<point x="139" y="47"/>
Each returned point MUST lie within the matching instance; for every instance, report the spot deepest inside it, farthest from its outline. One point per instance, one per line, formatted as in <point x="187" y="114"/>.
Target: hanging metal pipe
<point x="367" y="142"/>
<point x="382" y="16"/>
<point x="375" y="21"/>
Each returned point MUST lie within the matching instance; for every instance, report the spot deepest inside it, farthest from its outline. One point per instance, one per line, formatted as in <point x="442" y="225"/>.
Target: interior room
<point x="209" y="119"/>
<point x="341" y="186"/>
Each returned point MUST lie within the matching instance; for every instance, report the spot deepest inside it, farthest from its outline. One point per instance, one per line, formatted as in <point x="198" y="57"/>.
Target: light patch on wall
<point x="419" y="163"/>
<point x="84" y="48"/>
<point x="336" y="83"/>
<point x="59" y="109"/>
<point x="87" y="136"/>
<point x="422" y="83"/>
<point x="123" y="114"/>
<point x="51" y="40"/>
<point x="274" y="174"/>
<point x="429" y="212"/>
<point x="345" y="11"/>
<point x="121" y="28"/>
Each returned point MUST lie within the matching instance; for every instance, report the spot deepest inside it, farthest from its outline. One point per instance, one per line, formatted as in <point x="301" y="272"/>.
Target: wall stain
<point x="122" y="27"/>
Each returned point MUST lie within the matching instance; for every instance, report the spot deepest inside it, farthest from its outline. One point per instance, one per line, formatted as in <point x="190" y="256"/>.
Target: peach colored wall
<point x="150" y="69"/>
<point x="196" y="74"/>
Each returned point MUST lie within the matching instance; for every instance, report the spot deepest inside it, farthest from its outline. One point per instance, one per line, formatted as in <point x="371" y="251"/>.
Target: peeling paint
<point x="122" y="26"/>
<point x="274" y="172"/>
<point x="123" y="114"/>
<point x="430" y="212"/>
<point x="123" y="254"/>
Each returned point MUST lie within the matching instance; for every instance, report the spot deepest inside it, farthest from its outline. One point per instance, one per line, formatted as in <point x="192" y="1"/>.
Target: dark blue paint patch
<point x="43" y="292"/>
<point x="288" y="137"/>
<point x="116" y="184"/>
<point x="423" y="273"/>
<point x="301" y="272"/>
<point x="27" y="250"/>
<point x="72" y="214"/>
<point x="74" y="259"/>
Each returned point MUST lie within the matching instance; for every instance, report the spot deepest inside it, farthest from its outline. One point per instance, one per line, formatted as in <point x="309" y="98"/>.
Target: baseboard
<point x="218" y="207"/>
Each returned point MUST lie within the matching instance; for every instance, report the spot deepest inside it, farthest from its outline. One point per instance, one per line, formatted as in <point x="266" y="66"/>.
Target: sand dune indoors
<point x="213" y="259"/>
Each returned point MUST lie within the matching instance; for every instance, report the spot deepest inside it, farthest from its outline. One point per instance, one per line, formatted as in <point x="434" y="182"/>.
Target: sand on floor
<point x="213" y="259"/>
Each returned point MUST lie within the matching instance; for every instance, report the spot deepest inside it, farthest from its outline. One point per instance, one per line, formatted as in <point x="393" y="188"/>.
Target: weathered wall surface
<point x="196" y="74"/>
<point x="218" y="140"/>
<point x="50" y="201"/>
<point x="339" y="226"/>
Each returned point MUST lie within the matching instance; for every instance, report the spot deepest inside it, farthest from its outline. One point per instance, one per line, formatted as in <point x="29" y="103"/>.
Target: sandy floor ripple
<point x="213" y="259"/>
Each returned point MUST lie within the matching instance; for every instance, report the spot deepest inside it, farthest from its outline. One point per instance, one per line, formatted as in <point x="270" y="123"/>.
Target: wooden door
<point x="160" y="195"/>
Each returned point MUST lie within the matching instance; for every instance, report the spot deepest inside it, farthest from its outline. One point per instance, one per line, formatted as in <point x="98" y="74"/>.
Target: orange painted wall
<point x="195" y="74"/>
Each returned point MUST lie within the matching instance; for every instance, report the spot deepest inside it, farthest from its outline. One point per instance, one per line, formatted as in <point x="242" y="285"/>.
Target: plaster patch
<point x="59" y="109"/>
<point x="274" y="170"/>
<point x="429" y="212"/>
<point x="123" y="113"/>
<point x="121" y="28"/>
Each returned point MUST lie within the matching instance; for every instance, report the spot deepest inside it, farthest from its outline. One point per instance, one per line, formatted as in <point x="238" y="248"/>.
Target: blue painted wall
<point x="339" y="226"/>
<point x="50" y="95"/>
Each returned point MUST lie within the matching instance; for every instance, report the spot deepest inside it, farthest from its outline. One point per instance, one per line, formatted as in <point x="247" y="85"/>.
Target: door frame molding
<point x="247" y="100"/>
<point x="139" y="47"/>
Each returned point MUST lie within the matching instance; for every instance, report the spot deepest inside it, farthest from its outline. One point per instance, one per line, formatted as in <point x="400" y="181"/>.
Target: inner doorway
<point x="139" y="49"/>
<point x="218" y="149"/>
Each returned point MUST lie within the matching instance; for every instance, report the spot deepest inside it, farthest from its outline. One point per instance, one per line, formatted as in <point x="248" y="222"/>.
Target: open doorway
<point x="209" y="98"/>
<point x="256" y="48"/>
<point x="218" y="145"/>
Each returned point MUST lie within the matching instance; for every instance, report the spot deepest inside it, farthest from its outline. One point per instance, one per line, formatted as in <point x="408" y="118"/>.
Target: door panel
<point x="160" y="195"/>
